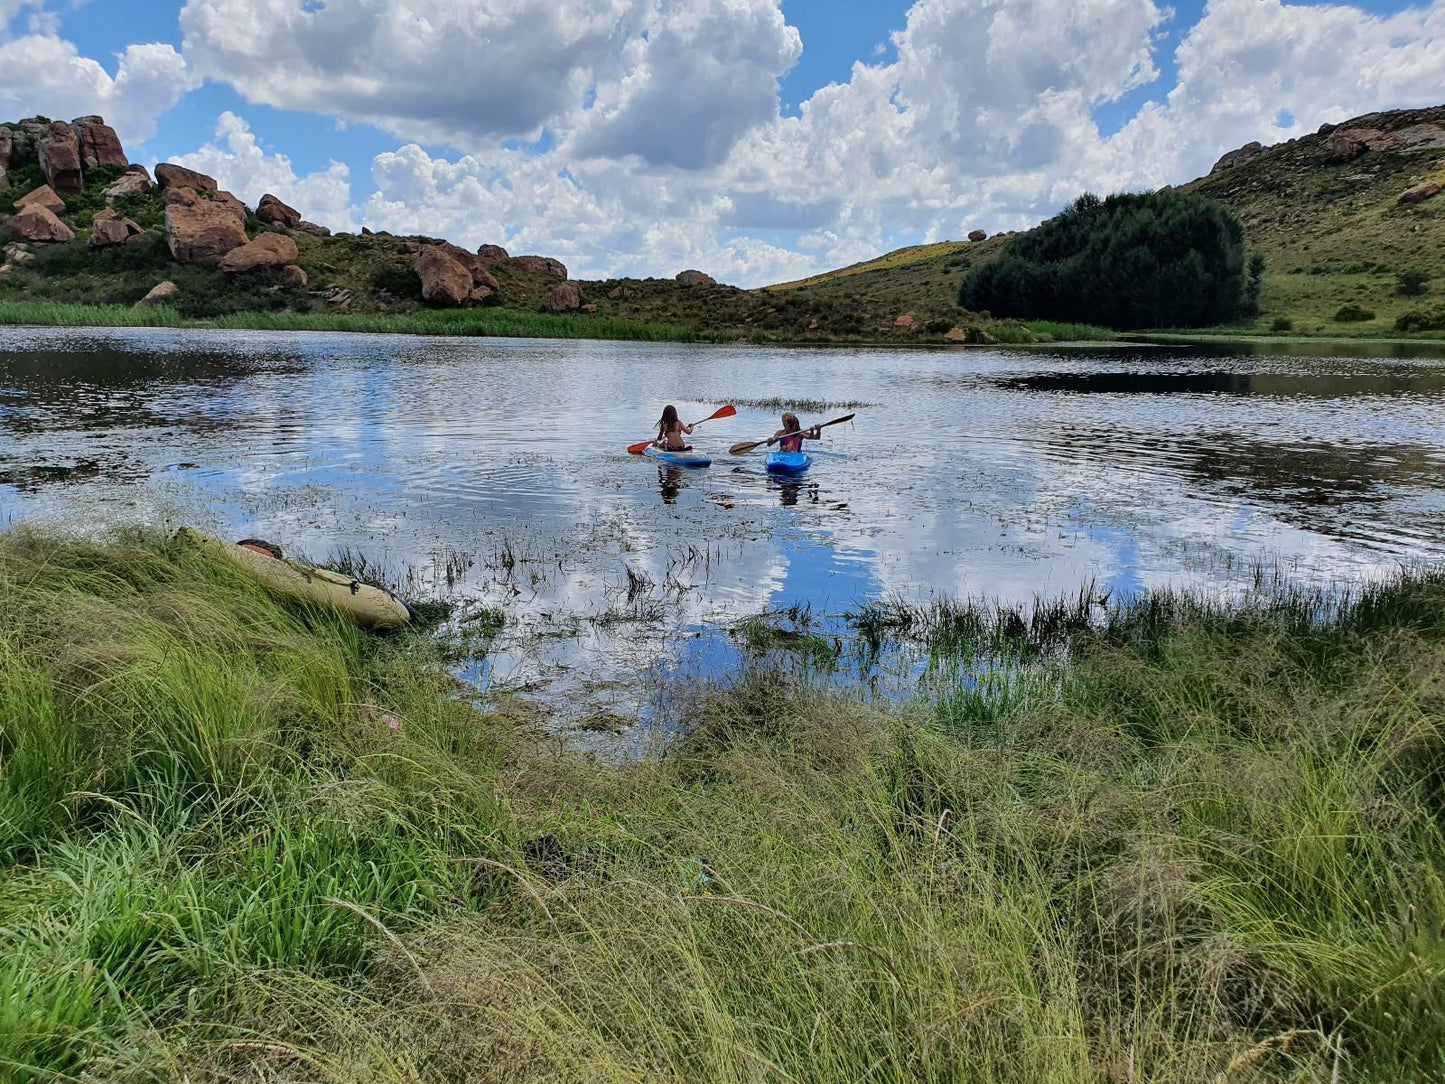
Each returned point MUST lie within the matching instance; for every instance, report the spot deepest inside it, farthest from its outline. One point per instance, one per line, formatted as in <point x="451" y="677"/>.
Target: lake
<point x="493" y="473"/>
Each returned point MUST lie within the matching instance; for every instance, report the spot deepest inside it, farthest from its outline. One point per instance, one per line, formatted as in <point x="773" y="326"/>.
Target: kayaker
<point x="791" y="436"/>
<point x="670" y="431"/>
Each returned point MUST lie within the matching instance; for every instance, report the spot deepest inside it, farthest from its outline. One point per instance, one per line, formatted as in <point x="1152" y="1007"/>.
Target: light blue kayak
<point x="788" y="462"/>
<point x="690" y="458"/>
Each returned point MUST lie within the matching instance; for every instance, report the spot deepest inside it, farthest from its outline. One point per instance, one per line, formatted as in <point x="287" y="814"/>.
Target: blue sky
<point x="759" y="139"/>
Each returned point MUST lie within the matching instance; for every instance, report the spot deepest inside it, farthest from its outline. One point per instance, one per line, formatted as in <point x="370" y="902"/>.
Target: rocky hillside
<point x="1341" y="216"/>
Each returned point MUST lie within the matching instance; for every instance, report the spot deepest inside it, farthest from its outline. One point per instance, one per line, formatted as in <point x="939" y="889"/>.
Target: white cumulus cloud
<point x="242" y="166"/>
<point x="45" y="74"/>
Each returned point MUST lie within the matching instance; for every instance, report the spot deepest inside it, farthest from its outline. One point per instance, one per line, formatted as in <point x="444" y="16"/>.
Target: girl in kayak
<point x="791" y="436"/>
<point x="670" y="431"/>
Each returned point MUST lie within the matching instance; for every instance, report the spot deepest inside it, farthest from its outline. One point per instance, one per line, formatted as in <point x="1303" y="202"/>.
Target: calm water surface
<point x="492" y="472"/>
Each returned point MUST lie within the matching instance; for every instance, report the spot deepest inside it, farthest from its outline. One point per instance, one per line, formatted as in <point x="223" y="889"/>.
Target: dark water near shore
<point x="492" y="472"/>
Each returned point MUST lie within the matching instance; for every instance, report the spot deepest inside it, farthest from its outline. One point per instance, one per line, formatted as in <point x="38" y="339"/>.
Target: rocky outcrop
<point x="1419" y="192"/>
<point x="1347" y="144"/>
<point x="956" y="335"/>
<point x="108" y="228"/>
<point x="444" y="279"/>
<point x="292" y="275"/>
<point x="567" y="297"/>
<point x="200" y="230"/>
<point x="59" y="152"/>
<point x="978" y="235"/>
<point x="233" y="205"/>
<point x="540" y="265"/>
<point x="1247" y="153"/>
<point x="134" y="182"/>
<point x="695" y="278"/>
<point x="170" y="176"/>
<point x="617" y="293"/>
<point x="493" y="254"/>
<point x="159" y="295"/>
<point x="904" y="321"/>
<point x="44" y="196"/>
<point x="267" y="250"/>
<point x="7" y="145"/>
<point x="312" y="228"/>
<point x="272" y="210"/>
<point x="39" y="224"/>
<point x="99" y="145"/>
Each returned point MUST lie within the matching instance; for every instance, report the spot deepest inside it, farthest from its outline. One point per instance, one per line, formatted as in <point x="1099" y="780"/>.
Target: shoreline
<point x="519" y="324"/>
<point x="303" y="846"/>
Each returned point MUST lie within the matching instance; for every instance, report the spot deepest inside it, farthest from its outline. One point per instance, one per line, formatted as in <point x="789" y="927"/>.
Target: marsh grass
<point x="460" y="322"/>
<point x="1212" y="851"/>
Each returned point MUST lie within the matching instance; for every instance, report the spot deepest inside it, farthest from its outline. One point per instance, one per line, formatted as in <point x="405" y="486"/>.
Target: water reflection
<point x="995" y="472"/>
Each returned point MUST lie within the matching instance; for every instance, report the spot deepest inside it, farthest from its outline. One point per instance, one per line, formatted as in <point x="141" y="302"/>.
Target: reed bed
<point x="242" y="841"/>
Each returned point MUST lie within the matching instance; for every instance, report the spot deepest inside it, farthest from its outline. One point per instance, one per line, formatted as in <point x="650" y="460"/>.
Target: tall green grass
<point x="1208" y="846"/>
<point x="467" y="322"/>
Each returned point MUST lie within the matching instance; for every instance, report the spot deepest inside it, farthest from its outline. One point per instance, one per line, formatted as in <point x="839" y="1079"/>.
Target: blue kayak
<point x="788" y="462"/>
<point x="686" y="458"/>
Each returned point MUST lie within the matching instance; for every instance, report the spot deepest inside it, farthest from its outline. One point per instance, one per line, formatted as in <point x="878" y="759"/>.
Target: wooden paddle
<point x="746" y="447"/>
<point x="726" y="412"/>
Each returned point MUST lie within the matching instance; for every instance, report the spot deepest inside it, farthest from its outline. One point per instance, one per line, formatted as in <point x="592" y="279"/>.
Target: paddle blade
<point x="745" y="447"/>
<point x="726" y="412"/>
<point x="638" y="448"/>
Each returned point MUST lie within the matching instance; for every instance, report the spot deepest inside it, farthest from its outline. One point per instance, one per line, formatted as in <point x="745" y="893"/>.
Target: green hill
<point x="1324" y="209"/>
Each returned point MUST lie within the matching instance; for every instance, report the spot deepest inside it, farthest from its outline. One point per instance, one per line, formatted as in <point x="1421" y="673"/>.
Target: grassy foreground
<point x="242" y="842"/>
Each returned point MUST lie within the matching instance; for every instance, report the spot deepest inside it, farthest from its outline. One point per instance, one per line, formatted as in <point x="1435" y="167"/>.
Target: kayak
<point x="690" y="458"/>
<point x="788" y="462"/>
<point x="369" y="606"/>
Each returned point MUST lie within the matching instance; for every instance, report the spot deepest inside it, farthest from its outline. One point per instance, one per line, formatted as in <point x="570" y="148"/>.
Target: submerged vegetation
<point x="1186" y="839"/>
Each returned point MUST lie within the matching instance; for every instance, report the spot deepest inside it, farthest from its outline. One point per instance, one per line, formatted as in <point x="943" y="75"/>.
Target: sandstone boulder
<point x="1346" y="145"/>
<point x="1418" y="193"/>
<point x="978" y="235"/>
<point x="16" y="253"/>
<point x="1247" y="153"/>
<point x="159" y="295"/>
<point x="170" y="176"/>
<point x="475" y="265"/>
<point x="200" y="230"/>
<point x="540" y="265"/>
<point x="130" y="183"/>
<point x="232" y="205"/>
<point x="588" y="308"/>
<point x="493" y="253"/>
<point x="906" y="320"/>
<point x="292" y="275"/>
<point x="695" y="278"/>
<point x="99" y="145"/>
<point x="956" y="335"/>
<point x="60" y="159"/>
<point x="1420" y="136"/>
<point x="312" y="228"/>
<point x="40" y="224"/>
<point x="567" y="297"/>
<point x="617" y="293"/>
<point x="108" y="228"/>
<point x="44" y="196"/>
<point x="272" y="210"/>
<point x="267" y="250"/>
<point x="444" y="279"/>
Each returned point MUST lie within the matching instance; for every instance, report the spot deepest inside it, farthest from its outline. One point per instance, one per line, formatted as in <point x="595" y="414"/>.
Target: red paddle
<point x="726" y="412"/>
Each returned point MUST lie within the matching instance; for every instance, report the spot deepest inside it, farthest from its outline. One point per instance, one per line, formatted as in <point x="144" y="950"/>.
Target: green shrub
<point x="1422" y="320"/>
<point x="1282" y="323"/>
<point x="1353" y="314"/>
<point x="1412" y="283"/>
<point x="1129" y="261"/>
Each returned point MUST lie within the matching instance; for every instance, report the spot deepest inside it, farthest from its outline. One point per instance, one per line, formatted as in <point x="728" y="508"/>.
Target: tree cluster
<point x="1165" y="259"/>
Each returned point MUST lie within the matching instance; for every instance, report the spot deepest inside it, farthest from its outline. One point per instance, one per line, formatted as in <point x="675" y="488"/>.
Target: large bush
<point x="1128" y="261"/>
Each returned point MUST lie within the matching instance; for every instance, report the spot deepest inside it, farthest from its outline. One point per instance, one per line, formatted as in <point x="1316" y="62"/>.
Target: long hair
<point x="791" y="423"/>
<point x="667" y="422"/>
